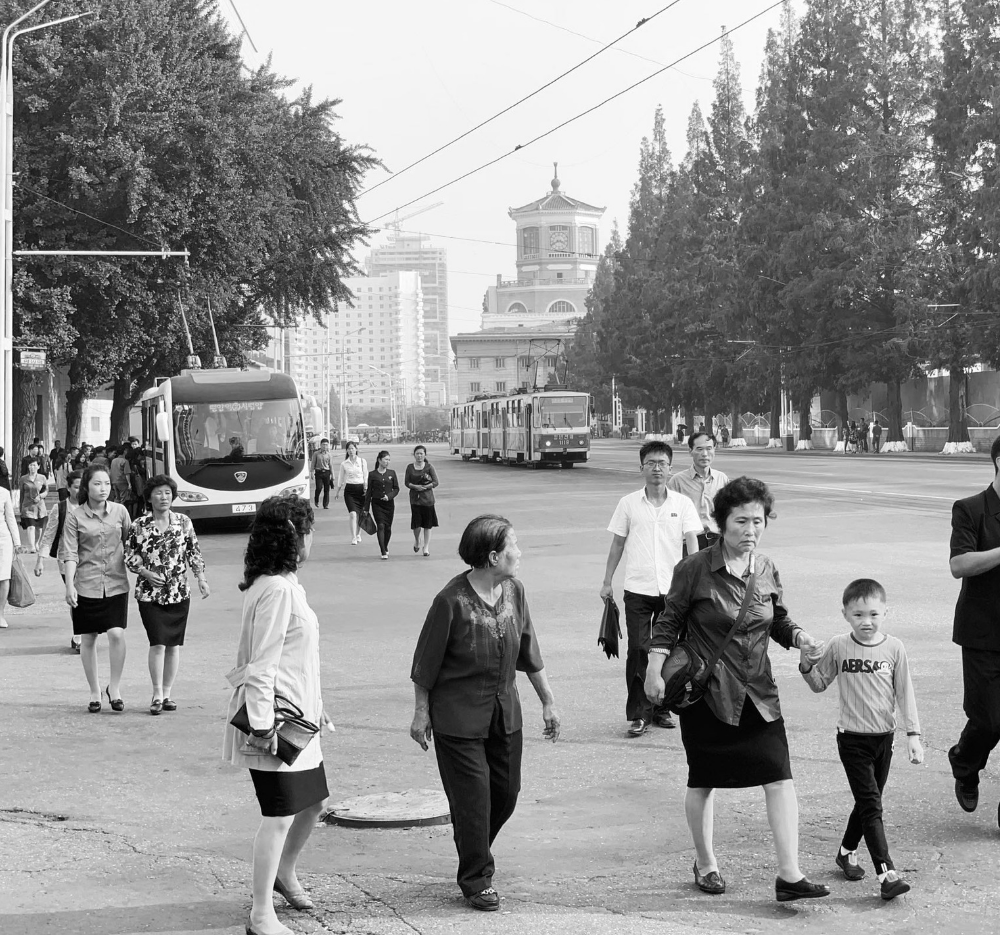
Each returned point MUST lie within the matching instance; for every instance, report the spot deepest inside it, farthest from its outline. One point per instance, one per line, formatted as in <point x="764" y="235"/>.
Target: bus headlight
<point x="548" y="444"/>
<point x="189" y="496"/>
<point x="299" y="490"/>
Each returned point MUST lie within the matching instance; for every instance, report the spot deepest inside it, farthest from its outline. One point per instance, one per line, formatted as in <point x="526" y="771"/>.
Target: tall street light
<point x="392" y="399"/>
<point x="6" y="209"/>
<point x="343" y="383"/>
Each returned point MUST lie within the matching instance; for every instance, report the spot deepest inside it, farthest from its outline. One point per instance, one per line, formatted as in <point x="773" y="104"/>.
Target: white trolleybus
<point x="530" y="427"/>
<point x="229" y="438"/>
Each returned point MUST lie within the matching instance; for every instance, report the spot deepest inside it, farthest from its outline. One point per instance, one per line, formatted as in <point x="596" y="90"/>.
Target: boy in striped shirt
<point x="874" y="679"/>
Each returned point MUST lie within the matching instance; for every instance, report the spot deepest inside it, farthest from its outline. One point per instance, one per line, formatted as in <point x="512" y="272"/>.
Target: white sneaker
<point x="3" y="624"/>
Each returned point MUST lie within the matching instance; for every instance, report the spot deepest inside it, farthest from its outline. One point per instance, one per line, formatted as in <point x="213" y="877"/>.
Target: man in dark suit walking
<point x="975" y="558"/>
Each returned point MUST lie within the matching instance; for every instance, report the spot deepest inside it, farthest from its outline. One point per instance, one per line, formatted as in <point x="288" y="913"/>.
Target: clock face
<point x="559" y="240"/>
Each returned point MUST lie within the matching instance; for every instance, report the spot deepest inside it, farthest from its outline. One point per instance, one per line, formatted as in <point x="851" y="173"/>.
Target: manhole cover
<point x="409" y="809"/>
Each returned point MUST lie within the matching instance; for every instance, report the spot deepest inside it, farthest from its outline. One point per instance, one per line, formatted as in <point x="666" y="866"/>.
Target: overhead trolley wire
<point x="479" y="126"/>
<point x="589" y="110"/>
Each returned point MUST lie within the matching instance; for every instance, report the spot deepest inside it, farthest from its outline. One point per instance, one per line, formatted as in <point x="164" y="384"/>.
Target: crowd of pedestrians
<point x="694" y="577"/>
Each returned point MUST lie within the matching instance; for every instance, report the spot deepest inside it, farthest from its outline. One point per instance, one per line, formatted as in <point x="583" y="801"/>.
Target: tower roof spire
<point x="555" y="176"/>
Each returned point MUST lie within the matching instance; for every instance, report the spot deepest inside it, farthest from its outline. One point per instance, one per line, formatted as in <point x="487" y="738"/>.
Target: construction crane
<point x="393" y="225"/>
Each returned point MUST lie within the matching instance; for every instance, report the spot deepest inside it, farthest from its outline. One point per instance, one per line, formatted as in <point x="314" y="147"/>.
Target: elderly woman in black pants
<point x="477" y="633"/>
<point x="734" y="737"/>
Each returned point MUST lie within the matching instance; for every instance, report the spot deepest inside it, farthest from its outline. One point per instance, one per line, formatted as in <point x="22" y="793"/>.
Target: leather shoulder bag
<point x="686" y="674"/>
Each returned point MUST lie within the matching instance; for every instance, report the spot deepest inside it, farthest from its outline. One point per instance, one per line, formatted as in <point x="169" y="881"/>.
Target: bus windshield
<point x="237" y="432"/>
<point x="563" y="412"/>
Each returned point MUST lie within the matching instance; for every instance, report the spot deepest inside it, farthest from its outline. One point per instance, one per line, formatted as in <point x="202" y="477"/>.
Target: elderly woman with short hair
<point x="160" y="548"/>
<point x="478" y="632"/>
<point x="734" y="737"/>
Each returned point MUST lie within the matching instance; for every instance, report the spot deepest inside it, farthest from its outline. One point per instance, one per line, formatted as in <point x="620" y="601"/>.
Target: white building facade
<point x="367" y="355"/>
<point x="414" y="251"/>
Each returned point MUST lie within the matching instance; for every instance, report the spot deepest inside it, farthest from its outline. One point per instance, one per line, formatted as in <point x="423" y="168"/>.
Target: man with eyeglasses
<point x="700" y="484"/>
<point x="651" y="527"/>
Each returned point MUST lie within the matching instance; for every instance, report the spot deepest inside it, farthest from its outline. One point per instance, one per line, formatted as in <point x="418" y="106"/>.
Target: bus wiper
<point x="277" y="457"/>
<point x="215" y="462"/>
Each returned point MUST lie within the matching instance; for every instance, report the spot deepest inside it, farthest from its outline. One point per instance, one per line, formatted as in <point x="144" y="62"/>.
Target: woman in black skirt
<point x="352" y="478"/>
<point x="421" y="478"/>
<point x="278" y="653"/>
<point x="735" y="737"/>
<point x="93" y="556"/>
<point x="383" y="488"/>
<point x="161" y="546"/>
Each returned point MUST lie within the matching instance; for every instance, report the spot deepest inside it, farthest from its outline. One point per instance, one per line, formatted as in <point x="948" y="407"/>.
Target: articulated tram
<point x="528" y="427"/>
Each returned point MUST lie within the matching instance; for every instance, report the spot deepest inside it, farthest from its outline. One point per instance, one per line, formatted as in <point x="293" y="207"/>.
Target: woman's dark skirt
<point x="37" y="522"/>
<point x="99" y="614"/>
<point x="165" y="623"/>
<point x="423" y="517"/>
<point x="354" y="497"/>
<point x="721" y="756"/>
<point x="283" y="793"/>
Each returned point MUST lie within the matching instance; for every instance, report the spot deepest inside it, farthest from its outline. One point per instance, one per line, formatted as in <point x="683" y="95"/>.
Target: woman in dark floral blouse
<point x="160" y="548"/>
<point x="477" y="633"/>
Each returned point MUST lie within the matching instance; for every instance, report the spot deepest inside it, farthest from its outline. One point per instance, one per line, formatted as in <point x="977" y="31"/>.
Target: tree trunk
<point x="689" y="416"/>
<point x="25" y="386"/>
<point x="844" y="415"/>
<point x="776" y="404"/>
<point x="122" y="399"/>
<point x="74" y="416"/>
<point x="665" y="423"/>
<point x="958" y="431"/>
<point x="736" y="410"/>
<point x="805" y="414"/>
<point x="894" y="408"/>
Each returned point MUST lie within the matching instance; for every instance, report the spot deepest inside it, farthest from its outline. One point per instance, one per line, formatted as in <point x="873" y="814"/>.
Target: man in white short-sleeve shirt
<point x="651" y="527"/>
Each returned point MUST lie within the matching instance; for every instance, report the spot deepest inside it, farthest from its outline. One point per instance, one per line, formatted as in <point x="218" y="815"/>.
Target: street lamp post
<point x="343" y="383"/>
<point x="6" y="210"/>
<point x="392" y="399"/>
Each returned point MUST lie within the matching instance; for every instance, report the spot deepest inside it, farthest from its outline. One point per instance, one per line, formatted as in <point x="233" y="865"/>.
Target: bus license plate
<point x="244" y="507"/>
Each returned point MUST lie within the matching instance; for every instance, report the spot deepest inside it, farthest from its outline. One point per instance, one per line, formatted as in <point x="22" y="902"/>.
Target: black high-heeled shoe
<point x="94" y="707"/>
<point x="116" y="703"/>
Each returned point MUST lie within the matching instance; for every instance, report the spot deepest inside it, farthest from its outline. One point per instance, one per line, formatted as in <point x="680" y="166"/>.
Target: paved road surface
<point x="120" y="824"/>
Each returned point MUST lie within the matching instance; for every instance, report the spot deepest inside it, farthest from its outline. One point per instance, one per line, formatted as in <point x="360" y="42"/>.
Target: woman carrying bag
<point x="10" y="538"/>
<point x="383" y="488"/>
<point x="278" y="655"/>
<point x="728" y="597"/>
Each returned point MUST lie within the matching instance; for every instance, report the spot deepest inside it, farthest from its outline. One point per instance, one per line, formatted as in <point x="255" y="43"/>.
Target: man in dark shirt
<point x="975" y="558"/>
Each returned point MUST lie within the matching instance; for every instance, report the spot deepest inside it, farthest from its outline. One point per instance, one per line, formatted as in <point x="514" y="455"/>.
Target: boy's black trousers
<point x="866" y="759"/>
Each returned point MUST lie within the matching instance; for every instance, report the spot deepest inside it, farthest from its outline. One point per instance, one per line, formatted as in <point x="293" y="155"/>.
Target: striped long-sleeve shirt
<point x="873" y="680"/>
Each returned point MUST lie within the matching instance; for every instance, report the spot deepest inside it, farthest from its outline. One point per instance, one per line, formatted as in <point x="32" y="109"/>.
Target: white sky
<point x="414" y="74"/>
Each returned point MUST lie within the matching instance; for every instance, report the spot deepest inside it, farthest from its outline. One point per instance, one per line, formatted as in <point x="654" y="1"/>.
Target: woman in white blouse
<point x="278" y="654"/>
<point x="353" y="480"/>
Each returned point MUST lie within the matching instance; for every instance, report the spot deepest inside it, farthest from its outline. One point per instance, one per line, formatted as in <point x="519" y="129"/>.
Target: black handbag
<point x="611" y="628"/>
<point x="685" y="674"/>
<point x="366" y="523"/>
<point x="294" y="731"/>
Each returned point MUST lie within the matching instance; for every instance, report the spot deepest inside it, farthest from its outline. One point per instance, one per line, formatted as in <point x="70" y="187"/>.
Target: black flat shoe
<point x="299" y="899"/>
<point x="487" y="900"/>
<point x="116" y="703"/>
<point x="893" y="888"/>
<point x="968" y="796"/>
<point x="853" y="871"/>
<point x="711" y="882"/>
<point x="155" y="706"/>
<point x="638" y="727"/>
<point x="802" y="889"/>
<point x="169" y="705"/>
<point x="94" y="707"/>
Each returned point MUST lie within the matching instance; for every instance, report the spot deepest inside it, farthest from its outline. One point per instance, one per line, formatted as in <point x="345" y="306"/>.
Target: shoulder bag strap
<point x="740" y="617"/>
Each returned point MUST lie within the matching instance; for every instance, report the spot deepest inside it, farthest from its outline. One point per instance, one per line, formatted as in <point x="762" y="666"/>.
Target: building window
<point x="500" y="362"/>
<point x="562" y="307"/>
<point x="95" y="423"/>
<point x="550" y="361"/>
<point x="516" y="308"/>
<point x="524" y="362"/>
<point x="587" y="236"/>
<point x="473" y="363"/>
<point x="529" y="242"/>
<point x="501" y="386"/>
<point x="473" y="387"/>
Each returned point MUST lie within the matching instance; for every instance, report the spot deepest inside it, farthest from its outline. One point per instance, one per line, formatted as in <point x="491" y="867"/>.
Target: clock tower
<point x="558" y="246"/>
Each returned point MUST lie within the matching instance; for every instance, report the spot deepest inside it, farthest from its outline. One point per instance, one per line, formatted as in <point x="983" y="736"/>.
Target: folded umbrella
<point x="611" y="631"/>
